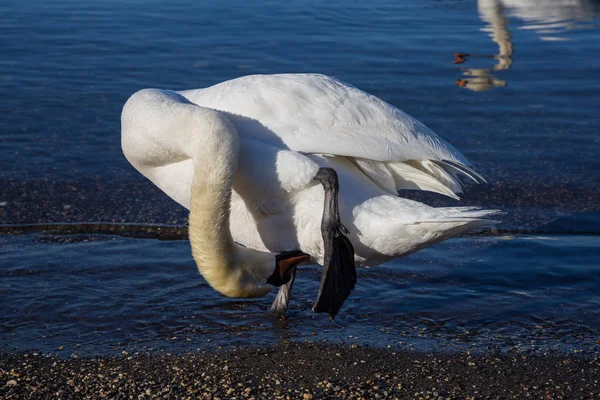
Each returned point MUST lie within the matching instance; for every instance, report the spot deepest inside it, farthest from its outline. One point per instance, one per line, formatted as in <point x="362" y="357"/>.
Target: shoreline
<point x="302" y="371"/>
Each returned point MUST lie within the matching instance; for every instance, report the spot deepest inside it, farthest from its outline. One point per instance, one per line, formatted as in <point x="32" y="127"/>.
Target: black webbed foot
<point x="339" y="271"/>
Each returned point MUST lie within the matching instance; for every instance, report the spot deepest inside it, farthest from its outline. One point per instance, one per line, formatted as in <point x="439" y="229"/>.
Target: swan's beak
<point x="284" y="265"/>
<point x="462" y="82"/>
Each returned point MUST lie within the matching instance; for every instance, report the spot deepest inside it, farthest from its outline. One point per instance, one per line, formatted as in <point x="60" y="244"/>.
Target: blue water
<point x="520" y="100"/>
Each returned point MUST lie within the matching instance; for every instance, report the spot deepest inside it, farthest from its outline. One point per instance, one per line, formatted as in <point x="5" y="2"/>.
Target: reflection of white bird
<point x="546" y="17"/>
<point x="491" y="11"/>
<point x="481" y="80"/>
<point x="263" y="160"/>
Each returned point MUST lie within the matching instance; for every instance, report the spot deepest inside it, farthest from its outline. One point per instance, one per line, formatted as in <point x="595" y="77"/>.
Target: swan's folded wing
<point x="321" y="115"/>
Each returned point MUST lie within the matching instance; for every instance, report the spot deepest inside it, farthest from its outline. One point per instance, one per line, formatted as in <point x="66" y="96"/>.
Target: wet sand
<point x="303" y="371"/>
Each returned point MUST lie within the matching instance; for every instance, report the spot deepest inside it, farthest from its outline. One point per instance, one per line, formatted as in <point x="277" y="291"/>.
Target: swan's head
<point x="253" y="273"/>
<point x="285" y="263"/>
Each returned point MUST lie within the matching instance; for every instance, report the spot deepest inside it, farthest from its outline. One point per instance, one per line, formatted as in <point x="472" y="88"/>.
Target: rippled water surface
<point x="513" y="84"/>
<point x="87" y="292"/>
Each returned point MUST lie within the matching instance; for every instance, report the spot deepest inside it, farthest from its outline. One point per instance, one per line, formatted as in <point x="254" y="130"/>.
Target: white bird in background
<point x="298" y="168"/>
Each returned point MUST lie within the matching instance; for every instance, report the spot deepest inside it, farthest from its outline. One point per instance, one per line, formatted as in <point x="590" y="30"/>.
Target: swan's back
<point x="318" y="114"/>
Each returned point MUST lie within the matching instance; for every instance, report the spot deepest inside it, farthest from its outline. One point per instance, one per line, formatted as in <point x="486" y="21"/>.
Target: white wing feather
<point x="318" y="114"/>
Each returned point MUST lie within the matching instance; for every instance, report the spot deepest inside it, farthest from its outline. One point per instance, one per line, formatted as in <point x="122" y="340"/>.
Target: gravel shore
<point x="302" y="371"/>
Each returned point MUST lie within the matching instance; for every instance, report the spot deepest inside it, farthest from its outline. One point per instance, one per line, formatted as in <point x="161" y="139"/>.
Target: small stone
<point x="307" y="396"/>
<point x="12" y="382"/>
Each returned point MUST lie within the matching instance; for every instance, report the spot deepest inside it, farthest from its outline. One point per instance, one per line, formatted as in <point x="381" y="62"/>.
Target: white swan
<point x="275" y="138"/>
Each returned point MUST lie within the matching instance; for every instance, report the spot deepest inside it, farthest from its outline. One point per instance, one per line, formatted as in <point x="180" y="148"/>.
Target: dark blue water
<point x="514" y="85"/>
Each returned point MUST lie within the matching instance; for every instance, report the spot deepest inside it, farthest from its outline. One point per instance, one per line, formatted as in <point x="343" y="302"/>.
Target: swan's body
<point x="289" y="126"/>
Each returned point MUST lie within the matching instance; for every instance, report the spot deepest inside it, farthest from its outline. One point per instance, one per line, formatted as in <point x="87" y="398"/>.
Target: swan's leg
<point x="339" y="271"/>
<point x="284" y="275"/>
<point x="280" y="304"/>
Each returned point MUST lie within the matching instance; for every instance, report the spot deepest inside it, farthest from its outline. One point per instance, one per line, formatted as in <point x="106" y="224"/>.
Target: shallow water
<point x="91" y="292"/>
<point x="520" y="100"/>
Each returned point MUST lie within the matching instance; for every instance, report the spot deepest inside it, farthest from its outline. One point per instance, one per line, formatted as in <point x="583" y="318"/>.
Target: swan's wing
<point x="322" y="115"/>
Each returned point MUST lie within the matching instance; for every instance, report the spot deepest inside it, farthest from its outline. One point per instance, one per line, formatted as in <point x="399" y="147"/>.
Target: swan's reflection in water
<point x="479" y="79"/>
<point x="548" y="18"/>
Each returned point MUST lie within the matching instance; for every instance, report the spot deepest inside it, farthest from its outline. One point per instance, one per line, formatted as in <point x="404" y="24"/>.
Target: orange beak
<point x="289" y="263"/>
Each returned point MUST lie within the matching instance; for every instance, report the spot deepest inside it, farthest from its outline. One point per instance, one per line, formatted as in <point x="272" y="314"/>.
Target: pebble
<point x="307" y="371"/>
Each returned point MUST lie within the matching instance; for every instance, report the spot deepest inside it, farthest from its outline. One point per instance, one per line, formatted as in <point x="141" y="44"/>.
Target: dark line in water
<point x="179" y="232"/>
<point x="162" y="232"/>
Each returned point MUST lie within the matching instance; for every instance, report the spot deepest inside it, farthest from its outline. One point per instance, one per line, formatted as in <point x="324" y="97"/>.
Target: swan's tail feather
<point x="439" y="173"/>
<point x="457" y="169"/>
<point x="467" y="212"/>
<point x="429" y="175"/>
<point x="451" y="222"/>
<point x="409" y="177"/>
<point x="470" y="217"/>
<point x="378" y="173"/>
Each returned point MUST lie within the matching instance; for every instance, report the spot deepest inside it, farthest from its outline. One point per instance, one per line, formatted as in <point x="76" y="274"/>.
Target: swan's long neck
<point x="230" y="269"/>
